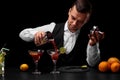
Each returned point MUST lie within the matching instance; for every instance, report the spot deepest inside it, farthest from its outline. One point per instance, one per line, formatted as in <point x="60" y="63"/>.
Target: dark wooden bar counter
<point x="16" y="74"/>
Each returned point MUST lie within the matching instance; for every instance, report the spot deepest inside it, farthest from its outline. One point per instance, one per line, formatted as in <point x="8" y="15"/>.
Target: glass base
<point x="55" y="72"/>
<point x="36" y="72"/>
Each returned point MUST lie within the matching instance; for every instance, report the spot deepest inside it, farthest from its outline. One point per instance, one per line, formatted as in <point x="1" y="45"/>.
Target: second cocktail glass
<point x="54" y="56"/>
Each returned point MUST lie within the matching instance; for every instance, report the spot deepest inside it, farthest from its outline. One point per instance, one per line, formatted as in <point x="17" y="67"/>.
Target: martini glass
<point x="54" y="56"/>
<point x="36" y="54"/>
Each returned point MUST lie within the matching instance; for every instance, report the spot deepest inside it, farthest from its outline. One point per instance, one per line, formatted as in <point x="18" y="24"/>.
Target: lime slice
<point x="84" y="66"/>
<point x="62" y="50"/>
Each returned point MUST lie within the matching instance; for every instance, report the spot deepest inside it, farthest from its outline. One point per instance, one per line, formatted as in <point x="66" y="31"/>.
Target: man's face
<point x="76" y="19"/>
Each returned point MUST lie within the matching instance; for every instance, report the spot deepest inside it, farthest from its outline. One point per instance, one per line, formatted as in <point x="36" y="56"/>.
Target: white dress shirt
<point x="93" y="52"/>
<point x="69" y="39"/>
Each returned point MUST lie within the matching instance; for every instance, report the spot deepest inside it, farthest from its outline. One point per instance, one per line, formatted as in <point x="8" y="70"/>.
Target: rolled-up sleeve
<point x="93" y="54"/>
<point x="28" y="34"/>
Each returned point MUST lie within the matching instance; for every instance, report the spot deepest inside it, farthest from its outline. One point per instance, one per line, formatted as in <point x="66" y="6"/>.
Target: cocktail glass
<point x="54" y="56"/>
<point x="36" y="54"/>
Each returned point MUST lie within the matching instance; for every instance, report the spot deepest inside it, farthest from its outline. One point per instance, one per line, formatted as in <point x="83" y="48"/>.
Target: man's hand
<point x="38" y="38"/>
<point x="95" y="37"/>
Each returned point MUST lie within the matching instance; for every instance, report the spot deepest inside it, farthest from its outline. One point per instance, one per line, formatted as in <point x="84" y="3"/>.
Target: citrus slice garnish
<point x="83" y="66"/>
<point x="62" y="50"/>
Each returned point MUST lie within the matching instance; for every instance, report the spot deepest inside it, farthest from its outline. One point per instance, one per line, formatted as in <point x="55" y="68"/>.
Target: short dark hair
<point x="83" y="6"/>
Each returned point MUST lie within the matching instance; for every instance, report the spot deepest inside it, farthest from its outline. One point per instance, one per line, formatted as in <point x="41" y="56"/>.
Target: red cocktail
<point x="54" y="56"/>
<point x="36" y="54"/>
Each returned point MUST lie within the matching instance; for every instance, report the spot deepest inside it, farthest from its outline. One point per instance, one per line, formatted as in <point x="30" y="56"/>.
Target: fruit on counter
<point x="24" y="67"/>
<point x="115" y="67"/>
<point x="113" y="59"/>
<point x="111" y="64"/>
<point x="84" y="66"/>
<point x="104" y="66"/>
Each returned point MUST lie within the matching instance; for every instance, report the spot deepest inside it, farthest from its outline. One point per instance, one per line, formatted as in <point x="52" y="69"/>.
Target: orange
<point x="115" y="67"/>
<point x="24" y="67"/>
<point x="104" y="66"/>
<point x="113" y="59"/>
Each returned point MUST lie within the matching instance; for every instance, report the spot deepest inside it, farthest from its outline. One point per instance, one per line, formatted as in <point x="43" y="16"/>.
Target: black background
<point x="15" y="16"/>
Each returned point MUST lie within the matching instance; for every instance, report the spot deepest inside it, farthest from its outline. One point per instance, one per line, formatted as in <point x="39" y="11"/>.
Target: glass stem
<point x="54" y="61"/>
<point x="3" y="68"/>
<point x="36" y="66"/>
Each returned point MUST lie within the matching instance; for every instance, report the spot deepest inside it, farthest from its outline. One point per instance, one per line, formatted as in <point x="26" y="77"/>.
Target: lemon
<point x="62" y="50"/>
<point x="24" y="67"/>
